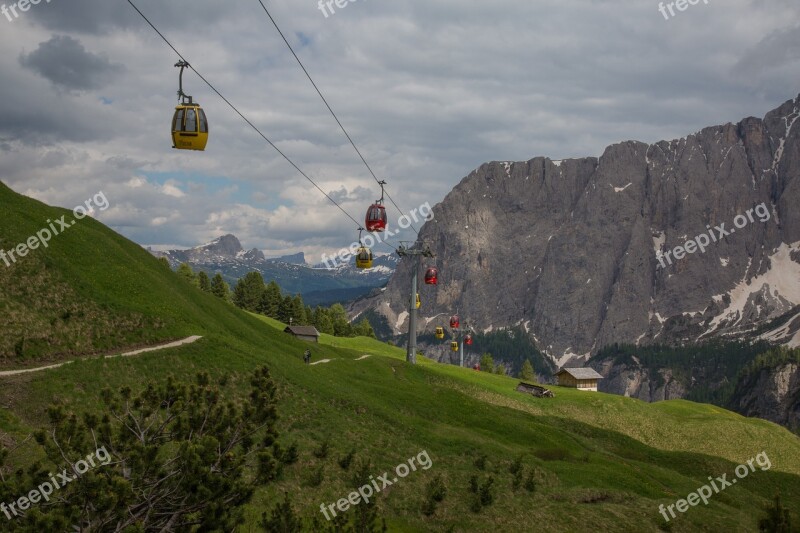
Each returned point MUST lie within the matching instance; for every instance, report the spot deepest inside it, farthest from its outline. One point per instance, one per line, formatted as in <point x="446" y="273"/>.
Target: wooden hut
<point x="579" y="378"/>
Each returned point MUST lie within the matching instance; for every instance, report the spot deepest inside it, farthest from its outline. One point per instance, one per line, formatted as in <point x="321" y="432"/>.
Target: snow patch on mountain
<point x="781" y="282"/>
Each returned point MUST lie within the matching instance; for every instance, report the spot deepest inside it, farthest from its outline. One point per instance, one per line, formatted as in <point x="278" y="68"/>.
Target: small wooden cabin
<point x="579" y="378"/>
<point x="304" y="333"/>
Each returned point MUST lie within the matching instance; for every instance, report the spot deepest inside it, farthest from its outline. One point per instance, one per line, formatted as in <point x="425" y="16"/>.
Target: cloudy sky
<point x="429" y="90"/>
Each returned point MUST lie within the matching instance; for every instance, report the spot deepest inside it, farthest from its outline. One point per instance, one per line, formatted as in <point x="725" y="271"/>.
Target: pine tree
<point x="341" y="323"/>
<point x="283" y="518"/>
<point x="526" y="373"/>
<point x="203" y="281"/>
<point x="364" y="329"/>
<point x="322" y="320"/>
<point x="219" y="288"/>
<point x="185" y="271"/>
<point x="285" y="310"/>
<point x="248" y="291"/>
<point x="196" y="437"/>
<point x="270" y="300"/>
<point x="487" y="363"/>
<point x="778" y="519"/>
<point x="299" y="317"/>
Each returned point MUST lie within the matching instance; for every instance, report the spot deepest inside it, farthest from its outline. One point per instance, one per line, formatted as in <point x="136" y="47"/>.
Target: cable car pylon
<point x="409" y="250"/>
<point x="462" y="335"/>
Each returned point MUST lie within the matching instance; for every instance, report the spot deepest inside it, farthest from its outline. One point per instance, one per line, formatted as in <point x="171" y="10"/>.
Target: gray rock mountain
<point x="295" y="259"/>
<point x="572" y="250"/>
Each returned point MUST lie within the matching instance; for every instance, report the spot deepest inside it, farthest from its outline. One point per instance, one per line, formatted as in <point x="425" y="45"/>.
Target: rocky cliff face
<point x="572" y="250"/>
<point x="636" y="382"/>
<point x="773" y="394"/>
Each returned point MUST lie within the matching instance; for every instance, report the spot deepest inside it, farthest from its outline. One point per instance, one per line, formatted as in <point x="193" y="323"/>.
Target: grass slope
<point x="600" y="461"/>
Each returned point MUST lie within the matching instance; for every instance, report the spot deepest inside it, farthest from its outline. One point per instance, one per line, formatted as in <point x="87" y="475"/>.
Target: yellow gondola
<point x="454" y="346"/>
<point x="419" y="302"/>
<point x="364" y="258"/>
<point x="440" y="332"/>
<point x="189" y="123"/>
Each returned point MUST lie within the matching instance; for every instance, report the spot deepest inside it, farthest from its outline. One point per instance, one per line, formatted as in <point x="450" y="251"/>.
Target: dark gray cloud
<point x="64" y="61"/>
<point x="778" y="50"/>
<point x="102" y="17"/>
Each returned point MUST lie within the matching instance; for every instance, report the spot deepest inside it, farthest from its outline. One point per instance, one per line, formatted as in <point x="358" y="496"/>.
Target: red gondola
<point x="468" y="340"/>
<point x="376" y="218"/>
<point x="376" y="214"/>
<point x="454" y="323"/>
<point x="432" y="276"/>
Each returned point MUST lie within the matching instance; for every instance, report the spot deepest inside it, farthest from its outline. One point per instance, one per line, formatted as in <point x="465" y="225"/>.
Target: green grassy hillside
<point x="597" y="461"/>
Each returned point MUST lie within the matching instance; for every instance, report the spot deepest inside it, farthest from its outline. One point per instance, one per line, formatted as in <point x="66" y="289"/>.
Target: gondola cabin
<point x="454" y="322"/>
<point x="419" y="302"/>
<point x="189" y="127"/>
<point x="376" y="218"/>
<point x="440" y="332"/>
<point x="364" y="258"/>
<point x="432" y="276"/>
<point x="468" y="340"/>
<point x="454" y="346"/>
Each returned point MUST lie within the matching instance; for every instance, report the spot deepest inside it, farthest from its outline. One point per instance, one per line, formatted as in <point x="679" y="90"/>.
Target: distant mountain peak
<point x="252" y="255"/>
<point x="226" y="255"/>
<point x="294" y="259"/>
<point x="227" y="245"/>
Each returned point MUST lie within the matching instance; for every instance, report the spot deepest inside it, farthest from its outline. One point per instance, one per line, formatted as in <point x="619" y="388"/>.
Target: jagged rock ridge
<point x="568" y="249"/>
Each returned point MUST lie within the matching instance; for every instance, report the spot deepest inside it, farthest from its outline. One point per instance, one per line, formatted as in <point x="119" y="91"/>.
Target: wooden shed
<point x="579" y="378"/>
<point x="304" y="333"/>
<point x="536" y="390"/>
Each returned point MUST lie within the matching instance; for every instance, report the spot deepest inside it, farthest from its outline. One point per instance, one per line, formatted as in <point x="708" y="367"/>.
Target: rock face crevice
<point x="568" y="249"/>
<point x="774" y="394"/>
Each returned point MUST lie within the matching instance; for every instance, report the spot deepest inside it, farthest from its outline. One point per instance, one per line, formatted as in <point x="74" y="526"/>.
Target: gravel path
<point x="329" y="360"/>
<point x="187" y="340"/>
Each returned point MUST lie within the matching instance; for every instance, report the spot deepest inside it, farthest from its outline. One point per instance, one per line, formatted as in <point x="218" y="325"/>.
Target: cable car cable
<point x="289" y="160"/>
<point x="331" y="109"/>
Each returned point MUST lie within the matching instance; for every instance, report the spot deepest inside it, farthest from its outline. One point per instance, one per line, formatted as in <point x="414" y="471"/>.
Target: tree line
<point x="708" y="371"/>
<point x="252" y="294"/>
